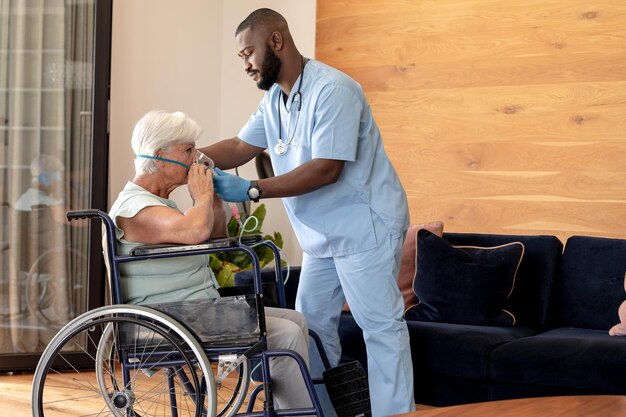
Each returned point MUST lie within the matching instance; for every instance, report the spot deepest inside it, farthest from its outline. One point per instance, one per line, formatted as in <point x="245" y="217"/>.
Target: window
<point x="54" y="76"/>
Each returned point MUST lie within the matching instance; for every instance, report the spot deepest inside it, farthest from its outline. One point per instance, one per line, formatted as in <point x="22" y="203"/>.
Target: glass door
<point x="54" y="77"/>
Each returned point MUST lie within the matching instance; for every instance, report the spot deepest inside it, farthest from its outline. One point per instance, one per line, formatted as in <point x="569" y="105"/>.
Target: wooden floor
<point x="15" y="393"/>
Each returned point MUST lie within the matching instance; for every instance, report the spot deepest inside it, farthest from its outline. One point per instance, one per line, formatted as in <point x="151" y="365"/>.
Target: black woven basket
<point x="348" y="390"/>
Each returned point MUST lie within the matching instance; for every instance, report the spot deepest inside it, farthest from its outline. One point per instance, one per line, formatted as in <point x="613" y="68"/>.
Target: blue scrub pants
<point x="368" y="281"/>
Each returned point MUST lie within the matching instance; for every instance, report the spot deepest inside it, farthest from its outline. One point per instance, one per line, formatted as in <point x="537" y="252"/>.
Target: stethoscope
<point x="281" y="147"/>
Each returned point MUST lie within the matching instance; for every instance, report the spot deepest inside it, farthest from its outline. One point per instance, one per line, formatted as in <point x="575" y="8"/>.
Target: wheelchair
<point x="137" y="361"/>
<point x="42" y="271"/>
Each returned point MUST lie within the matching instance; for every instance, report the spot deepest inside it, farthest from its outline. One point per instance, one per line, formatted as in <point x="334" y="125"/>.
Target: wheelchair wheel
<point x="231" y="387"/>
<point x="43" y="279"/>
<point x="123" y="361"/>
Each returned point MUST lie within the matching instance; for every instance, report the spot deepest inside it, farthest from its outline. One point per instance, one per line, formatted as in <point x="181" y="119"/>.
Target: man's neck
<point x="292" y="68"/>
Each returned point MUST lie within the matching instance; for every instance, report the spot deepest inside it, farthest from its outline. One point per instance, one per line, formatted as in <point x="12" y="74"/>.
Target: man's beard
<point x="269" y="70"/>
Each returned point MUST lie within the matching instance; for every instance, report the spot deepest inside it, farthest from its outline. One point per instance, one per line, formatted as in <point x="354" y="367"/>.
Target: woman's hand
<point x="200" y="184"/>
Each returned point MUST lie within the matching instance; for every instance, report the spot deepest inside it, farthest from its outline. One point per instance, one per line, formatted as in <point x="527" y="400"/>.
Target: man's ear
<point x="276" y="41"/>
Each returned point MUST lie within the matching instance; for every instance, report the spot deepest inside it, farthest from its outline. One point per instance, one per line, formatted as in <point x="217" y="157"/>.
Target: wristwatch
<point x="254" y="191"/>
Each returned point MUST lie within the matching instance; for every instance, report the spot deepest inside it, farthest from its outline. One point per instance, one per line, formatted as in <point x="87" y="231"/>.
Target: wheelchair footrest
<point x="348" y="390"/>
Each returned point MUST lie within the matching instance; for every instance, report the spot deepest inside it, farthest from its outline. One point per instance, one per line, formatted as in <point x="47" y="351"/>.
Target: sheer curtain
<point x="45" y="106"/>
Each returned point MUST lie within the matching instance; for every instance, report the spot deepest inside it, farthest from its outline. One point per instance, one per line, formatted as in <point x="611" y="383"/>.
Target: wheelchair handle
<point x="82" y="214"/>
<point x="92" y="214"/>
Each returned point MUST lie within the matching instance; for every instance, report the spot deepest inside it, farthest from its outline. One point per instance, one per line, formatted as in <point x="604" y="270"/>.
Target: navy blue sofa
<point x="565" y="302"/>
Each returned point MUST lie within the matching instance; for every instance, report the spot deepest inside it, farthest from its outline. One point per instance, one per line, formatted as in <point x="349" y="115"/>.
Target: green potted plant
<point x="226" y="264"/>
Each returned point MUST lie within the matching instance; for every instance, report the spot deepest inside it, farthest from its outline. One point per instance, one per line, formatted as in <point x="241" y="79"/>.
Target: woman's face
<point x="183" y="153"/>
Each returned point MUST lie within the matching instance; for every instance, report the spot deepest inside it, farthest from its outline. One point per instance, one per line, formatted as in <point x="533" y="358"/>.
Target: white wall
<point x="182" y="56"/>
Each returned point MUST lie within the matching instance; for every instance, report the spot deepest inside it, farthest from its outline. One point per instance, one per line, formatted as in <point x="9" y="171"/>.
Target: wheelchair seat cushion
<point x="232" y="320"/>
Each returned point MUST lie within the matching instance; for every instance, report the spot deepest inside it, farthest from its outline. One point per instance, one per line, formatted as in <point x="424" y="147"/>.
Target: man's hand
<point x="230" y="187"/>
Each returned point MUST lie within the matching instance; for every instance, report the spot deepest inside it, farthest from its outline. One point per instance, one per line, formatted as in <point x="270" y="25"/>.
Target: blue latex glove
<point x="230" y="187"/>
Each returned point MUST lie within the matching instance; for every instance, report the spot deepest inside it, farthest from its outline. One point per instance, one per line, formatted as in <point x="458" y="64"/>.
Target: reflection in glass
<point x="46" y="63"/>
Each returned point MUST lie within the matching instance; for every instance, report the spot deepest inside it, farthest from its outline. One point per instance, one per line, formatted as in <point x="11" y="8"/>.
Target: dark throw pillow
<point x="409" y="257"/>
<point x="464" y="284"/>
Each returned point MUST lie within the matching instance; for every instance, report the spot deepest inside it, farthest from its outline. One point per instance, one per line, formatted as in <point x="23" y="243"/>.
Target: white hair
<point x="158" y="129"/>
<point x="45" y="163"/>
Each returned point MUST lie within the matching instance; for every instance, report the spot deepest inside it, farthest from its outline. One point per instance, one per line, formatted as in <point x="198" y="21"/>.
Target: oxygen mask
<point x="202" y="159"/>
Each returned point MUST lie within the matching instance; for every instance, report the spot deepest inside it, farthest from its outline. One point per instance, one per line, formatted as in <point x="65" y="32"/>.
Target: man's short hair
<point x="260" y="18"/>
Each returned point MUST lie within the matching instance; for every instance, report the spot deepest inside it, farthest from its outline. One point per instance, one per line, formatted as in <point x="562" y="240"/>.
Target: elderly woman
<point x="164" y="146"/>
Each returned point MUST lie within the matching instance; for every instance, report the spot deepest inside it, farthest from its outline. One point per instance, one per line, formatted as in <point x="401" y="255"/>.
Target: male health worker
<point x="342" y="195"/>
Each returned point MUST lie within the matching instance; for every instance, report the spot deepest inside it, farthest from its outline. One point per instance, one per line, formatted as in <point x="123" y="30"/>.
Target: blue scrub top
<point x="335" y="122"/>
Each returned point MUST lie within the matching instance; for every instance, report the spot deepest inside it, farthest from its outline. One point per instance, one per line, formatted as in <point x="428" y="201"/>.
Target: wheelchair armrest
<point x="270" y="296"/>
<point x="156" y="249"/>
<point x="244" y="278"/>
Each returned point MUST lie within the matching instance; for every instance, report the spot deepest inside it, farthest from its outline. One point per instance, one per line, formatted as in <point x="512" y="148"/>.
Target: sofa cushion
<point x="566" y="357"/>
<point x="458" y="349"/>
<point x="452" y="349"/>
<point x="589" y="285"/>
<point x="464" y="284"/>
<point x="409" y="259"/>
<point x="529" y="301"/>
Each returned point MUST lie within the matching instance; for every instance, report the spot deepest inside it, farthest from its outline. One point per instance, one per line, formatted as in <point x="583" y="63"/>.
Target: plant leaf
<point x="226" y="264"/>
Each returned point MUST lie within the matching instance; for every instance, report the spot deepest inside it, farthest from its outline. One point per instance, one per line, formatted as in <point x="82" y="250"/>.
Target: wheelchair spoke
<point x="131" y="365"/>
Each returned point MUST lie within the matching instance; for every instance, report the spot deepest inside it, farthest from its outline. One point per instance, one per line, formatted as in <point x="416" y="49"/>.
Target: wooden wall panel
<point x="500" y="117"/>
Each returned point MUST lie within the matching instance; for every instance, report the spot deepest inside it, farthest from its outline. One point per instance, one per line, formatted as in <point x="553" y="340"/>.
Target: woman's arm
<point x="161" y="224"/>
